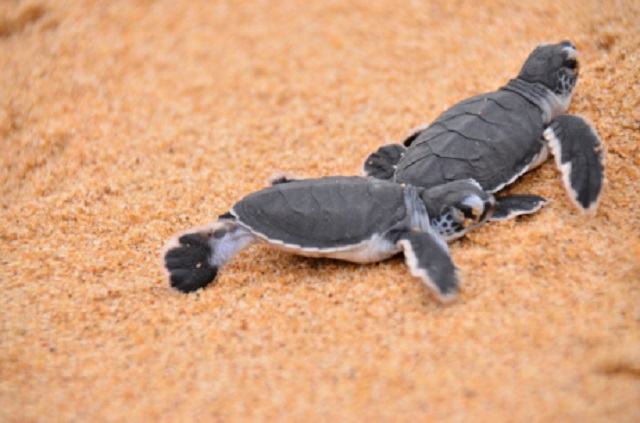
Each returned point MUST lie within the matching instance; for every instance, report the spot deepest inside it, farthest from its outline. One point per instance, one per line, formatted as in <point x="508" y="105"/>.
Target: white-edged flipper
<point x="579" y="155"/>
<point x="381" y="164"/>
<point x="193" y="258"/>
<point x="429" y="260"/>
<point x="510" y="206"/>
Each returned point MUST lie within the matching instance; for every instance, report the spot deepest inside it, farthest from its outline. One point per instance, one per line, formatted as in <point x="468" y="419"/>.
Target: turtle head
<point x="457" y="207"/>
<point x="555" y="66"/>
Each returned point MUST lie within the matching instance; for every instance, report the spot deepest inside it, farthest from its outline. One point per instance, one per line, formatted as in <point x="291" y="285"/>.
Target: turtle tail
<point x="192" y="259"/>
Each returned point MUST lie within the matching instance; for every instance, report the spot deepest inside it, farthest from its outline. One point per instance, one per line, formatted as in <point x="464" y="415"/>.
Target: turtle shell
<point x="491" y="138"/>
<point x="327" y="213"/>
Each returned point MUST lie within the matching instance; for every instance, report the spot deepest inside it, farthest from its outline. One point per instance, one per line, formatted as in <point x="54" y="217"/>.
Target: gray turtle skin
<point x="355" y="219"/>
<point x="496" y="137"/>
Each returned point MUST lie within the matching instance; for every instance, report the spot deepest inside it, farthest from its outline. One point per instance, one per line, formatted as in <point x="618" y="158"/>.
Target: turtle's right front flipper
<point x="510" y="206"/>
<point x="429" y="260"/>
<point x="578" y="153"/>
<point x="193" y="258"/>
<point x="381" y="164"/>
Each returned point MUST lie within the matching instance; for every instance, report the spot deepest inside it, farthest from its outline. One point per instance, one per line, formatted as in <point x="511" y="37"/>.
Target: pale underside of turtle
<point x="496" y="137"/>
<point x="355" y="219"/>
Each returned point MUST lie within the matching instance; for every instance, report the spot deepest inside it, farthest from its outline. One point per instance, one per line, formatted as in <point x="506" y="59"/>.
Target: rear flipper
<point x="578" y="154"/>
<point x="283" y="178"/>
<point x="381" y="164"/>
<point x="193" y="258"/>
<point x="511" y="206"/>
<point x="429" y="260"/>
<point x="413" y="134"/>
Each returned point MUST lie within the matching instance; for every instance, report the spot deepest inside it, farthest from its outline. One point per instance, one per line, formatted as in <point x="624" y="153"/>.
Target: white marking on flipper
<point x="416" y="271"/>
<point x="565" y="169"/>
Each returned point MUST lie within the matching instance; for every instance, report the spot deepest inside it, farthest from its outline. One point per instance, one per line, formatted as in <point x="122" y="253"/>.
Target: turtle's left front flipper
<point x="578" y="154"/>
<point x="510" y="206"/>
<point x="429" y="260"/>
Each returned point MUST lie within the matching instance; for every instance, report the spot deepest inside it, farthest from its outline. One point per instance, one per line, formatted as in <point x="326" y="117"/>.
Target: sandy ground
<point x="122" y="122"/>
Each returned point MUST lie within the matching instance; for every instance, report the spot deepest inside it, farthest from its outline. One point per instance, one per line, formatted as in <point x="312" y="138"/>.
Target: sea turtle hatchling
<point x="353" y="218"/>
<point x="496" y="137"/>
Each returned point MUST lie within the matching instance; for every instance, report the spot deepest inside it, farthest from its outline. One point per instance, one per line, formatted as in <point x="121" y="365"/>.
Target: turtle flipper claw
<point x="381" y="164"/>
<point x="510" y="206"/>
<point x="578" y="154"/>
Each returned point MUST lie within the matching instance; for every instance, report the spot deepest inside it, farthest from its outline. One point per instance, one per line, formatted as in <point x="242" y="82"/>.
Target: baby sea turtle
<point x="496" y="137"/>
<point x="353" y="218"/>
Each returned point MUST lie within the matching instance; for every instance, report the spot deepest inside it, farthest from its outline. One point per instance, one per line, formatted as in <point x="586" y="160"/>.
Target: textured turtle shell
<point x="491" y="138"/>
<point x="326" y="213"/>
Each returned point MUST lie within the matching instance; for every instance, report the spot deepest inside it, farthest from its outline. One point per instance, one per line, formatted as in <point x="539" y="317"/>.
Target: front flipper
<point x="578" y="154"/>
<point x="429" y="260"/>
<point x="511" y="206"/>
<point x="382" y="163"/>
<point x="192" y="258"/>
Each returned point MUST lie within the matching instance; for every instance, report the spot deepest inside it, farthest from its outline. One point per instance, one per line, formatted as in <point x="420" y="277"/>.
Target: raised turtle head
<point x="554" y="65"/>
<point x="457" y="207"/>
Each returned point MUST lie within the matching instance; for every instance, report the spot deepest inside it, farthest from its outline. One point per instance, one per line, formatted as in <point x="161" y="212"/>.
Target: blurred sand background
<point x="122" y="122"/>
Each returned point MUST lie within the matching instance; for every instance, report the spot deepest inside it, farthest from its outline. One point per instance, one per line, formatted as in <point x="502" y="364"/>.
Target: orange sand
<point x="122" y="122"/>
